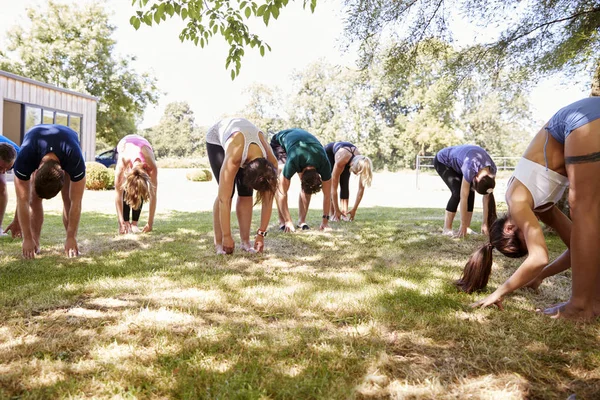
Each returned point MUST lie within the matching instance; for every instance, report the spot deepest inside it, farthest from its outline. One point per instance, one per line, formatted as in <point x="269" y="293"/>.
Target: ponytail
<point x="477" y="271"/>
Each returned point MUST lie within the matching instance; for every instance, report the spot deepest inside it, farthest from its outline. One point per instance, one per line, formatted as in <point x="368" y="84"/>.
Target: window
<point x="62" y="119"/>
<point x="33" y="116"/>
<point x="75" y="124"/>
<point x="48" y="117"/>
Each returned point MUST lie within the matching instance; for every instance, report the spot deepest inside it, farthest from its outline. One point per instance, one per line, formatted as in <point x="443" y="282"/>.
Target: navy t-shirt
<point x="43" y="139"/>
<point x="466" y="159"/>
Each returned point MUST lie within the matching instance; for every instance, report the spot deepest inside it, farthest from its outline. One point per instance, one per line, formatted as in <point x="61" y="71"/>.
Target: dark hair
<point x="311" y="181"/>
<point x="482" y="185"/>
<point x="137" y="187"/>
<point x="7" y="153"/>
<point x="260" y="175"/>
<point x="49" y="179"/>
<point x="477" y="271"/>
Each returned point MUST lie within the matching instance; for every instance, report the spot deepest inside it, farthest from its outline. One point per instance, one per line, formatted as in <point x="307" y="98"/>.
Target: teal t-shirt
<point x="303" y="150"/>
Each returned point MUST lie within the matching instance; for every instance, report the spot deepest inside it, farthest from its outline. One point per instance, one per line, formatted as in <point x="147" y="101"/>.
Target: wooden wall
<point x="26" y="91"/>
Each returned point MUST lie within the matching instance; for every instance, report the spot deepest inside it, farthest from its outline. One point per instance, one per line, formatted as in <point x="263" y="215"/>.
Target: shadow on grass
<point x="367" y="310"/>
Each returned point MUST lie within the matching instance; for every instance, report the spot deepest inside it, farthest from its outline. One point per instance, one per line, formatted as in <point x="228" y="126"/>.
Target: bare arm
<point x="23" y="191"/>
<point x="359" y="196"/>
<point x="535" y="262"/>
<point x="486" y="209"/>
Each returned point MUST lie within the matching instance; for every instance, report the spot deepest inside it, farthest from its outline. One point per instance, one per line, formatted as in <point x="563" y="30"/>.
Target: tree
<point x="264" y="108"/>
<point x="177" y="134"/>
<point x="538" y="36"/>
<point x="71" y="46"/>
<point x="206" y="18"/>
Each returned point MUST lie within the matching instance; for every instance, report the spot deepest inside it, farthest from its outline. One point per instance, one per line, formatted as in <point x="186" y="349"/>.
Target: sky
<point x="198" y="75"/>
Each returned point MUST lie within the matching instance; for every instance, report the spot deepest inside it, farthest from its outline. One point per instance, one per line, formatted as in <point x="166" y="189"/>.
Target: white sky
<point x="189" y="73"/>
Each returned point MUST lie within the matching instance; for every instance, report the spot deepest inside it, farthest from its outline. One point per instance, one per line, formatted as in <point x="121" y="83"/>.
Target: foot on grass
<point x="568" y="311"/>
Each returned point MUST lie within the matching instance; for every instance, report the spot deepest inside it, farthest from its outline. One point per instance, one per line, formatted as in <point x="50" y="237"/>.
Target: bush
<point x="97" y="176"/>
<point x="111" y="178"/>
<point x="199" y="175"/>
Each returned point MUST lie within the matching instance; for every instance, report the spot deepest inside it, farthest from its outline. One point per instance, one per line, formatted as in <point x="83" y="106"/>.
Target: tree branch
<point x="593" y="10"/>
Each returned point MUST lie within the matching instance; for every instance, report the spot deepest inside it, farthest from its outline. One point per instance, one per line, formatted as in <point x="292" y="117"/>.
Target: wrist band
<point x="261" y="233"/>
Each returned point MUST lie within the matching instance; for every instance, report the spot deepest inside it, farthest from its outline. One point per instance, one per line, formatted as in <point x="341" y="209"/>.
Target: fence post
<point x="418" y="167"/>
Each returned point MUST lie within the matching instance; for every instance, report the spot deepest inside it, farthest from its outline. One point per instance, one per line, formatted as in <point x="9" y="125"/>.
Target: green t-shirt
<point x="303" y="150"/>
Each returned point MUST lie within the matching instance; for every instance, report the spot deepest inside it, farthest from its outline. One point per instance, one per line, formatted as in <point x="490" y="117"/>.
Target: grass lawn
<point x="366" y="311"/>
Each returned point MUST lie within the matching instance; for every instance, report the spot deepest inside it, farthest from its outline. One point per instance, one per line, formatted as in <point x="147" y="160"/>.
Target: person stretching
<point x="565" y="152"/>
<point x="239" y="154"/>
<point x="344" y="158"/>
<point x="8" y="154"/>
<point x="298" y="151"/>
<point x="136" y="181"/>
<point x="49" y="153"/>
<point x="466" y="168"/>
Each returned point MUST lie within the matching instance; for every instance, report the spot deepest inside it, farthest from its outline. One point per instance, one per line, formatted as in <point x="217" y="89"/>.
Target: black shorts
<point x="216" y="156"/>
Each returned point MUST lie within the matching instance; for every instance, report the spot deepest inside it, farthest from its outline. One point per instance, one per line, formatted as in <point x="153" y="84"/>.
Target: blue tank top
<point x="573" y="116"/>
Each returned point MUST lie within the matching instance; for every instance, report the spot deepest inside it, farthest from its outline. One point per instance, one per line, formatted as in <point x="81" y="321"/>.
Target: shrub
<point x="97" y="176"/>
<point x="199" y="175"/>
<point x="111" y="178"/>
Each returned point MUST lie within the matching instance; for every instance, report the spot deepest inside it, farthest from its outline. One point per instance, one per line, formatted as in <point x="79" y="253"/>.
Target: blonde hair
<point x="363" y="166"/>
<point x="137" y="187"/>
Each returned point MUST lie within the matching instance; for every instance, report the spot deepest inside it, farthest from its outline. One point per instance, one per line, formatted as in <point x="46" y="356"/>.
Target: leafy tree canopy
<point x="71" y="46"/>
<point x="537" y="36"/>
<point x="205" y="19"/>
<point x="176" y="134"/>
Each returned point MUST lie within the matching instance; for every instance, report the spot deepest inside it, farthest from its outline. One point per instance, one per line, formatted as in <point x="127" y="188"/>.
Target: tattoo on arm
<point x="588" y="158"/>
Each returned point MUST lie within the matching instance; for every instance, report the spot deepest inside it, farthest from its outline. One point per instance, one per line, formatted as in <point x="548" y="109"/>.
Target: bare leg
<point x="344" y="206"/>
<point x="448" y="220"/>
<point x="303" y="203"/>
<point x="582" y="161"/>
<point x="66" y="202"/>
<point x="3" y="199"/>
<point x="243" y="210"/>
<point x="217" y="228"/>
<point x="468" y="219"/>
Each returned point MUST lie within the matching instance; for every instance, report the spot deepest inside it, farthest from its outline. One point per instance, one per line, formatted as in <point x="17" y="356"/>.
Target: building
<point x="25" y="103"/>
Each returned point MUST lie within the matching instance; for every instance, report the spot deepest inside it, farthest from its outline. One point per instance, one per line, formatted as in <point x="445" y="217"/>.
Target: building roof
<point x="46" y="85"/>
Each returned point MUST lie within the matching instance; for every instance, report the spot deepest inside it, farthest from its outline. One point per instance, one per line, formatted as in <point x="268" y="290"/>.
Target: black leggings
<point x="344" y="176"/>
<point x="454" y="181"/>
<point x="216" y="156"/>
<point x="135" y="214"/>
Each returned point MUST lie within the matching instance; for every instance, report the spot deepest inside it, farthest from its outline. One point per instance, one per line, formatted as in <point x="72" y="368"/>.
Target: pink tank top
<point x="130" y="147"/>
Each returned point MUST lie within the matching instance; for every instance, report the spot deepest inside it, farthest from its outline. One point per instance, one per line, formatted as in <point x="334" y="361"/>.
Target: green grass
<point x="365" y="311"/>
